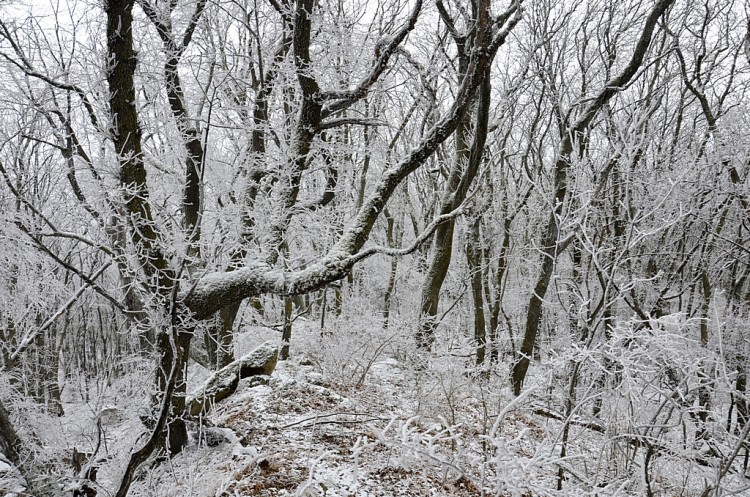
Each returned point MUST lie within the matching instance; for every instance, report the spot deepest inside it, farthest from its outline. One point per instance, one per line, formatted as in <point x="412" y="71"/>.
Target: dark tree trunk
<point x="219" y="337"/>
<point x="175" y="348"/>
<point x="465" y="167"/>
<point x="286" y="332"/>
<point x="394" y="232"/>
<point x="10" y="444"/>
<point x="476" y="274"/>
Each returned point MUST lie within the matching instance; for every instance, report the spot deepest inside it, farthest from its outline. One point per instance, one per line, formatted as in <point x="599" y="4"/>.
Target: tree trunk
<point x="465" y="167"/>
<point x="704" y="390"/>
<point x="175" y="348"/>
<point x="219" y="336"/>
<point x="476" y="275"/>
<point x="10" y="444"/>
<point x="394" y="232"/>
<point x="740" y="395"/>
<point x="499" y="283"/>
<point x="286" y="332"/>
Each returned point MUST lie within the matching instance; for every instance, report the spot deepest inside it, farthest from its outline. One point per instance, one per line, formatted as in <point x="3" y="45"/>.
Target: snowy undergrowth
<point x="350" y="414"/>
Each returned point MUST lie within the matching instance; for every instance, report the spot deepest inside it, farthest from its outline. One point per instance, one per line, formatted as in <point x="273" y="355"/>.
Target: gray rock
<point x="223" y="383"/>
<point x="214" y="437"/>
<point x="110" y="415"/>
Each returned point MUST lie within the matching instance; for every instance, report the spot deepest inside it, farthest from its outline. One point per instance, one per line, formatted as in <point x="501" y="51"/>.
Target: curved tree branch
<point x="344" y="99"/>
<point x="216" y="290"/>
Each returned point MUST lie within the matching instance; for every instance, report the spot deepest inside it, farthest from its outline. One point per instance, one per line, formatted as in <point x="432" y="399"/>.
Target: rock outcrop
<point x="223" y="383"/>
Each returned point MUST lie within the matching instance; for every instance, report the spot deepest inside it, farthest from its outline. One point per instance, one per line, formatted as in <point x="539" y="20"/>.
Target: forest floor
<point x="350" y="415"/>
<point x="337" y="420"/>
<point x="302" y="434"/>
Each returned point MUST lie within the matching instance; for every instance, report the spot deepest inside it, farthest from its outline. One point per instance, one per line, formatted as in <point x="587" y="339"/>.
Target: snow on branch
<point x="216" y="290"/>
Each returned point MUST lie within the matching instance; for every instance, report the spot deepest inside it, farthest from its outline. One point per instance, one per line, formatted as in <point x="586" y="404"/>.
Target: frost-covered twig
<point x="311" y="472"/>
<point x="29" y="337"/>
<point x="317" y="419"/>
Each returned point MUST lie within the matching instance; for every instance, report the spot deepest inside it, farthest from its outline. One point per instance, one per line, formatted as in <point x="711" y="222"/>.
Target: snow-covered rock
<point x="223" y="383"/>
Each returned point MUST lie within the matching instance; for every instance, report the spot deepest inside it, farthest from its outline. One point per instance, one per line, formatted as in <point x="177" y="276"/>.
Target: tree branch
<point x="26" y="341"/>
<point x="216" y="290"/>
<point x="30" y="71"/>
<point x="348" y="97"/>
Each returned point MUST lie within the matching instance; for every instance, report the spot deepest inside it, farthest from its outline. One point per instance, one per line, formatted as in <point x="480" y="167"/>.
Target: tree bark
<point x="394" y="233"/>
<point x="10" y="444"/>
<point x="476" y="275"/>
<point x="172" y="344"/>
<point x="219" y="337"/>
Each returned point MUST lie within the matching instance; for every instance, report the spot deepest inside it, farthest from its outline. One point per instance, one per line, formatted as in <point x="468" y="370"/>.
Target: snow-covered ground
<point x="350" y="415"/>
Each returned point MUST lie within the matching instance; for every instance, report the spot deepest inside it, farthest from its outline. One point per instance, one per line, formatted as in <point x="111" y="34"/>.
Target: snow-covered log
<point x="223" y="383"/>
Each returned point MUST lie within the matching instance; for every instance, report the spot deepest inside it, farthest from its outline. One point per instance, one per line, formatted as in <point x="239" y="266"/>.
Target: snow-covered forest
<point x="374" y="248"/>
